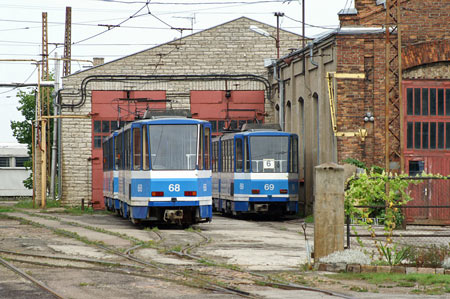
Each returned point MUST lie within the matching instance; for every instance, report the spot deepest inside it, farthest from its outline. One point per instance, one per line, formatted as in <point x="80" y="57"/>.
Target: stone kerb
<point x="357" y="268"/>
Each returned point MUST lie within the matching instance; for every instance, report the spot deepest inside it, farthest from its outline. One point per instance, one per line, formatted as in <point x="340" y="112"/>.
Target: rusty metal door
<point x="427" y="148"/>
<point x="110" y="110"/>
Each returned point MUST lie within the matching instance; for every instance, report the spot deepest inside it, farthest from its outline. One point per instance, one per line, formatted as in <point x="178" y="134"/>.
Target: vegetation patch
<point x="430" y="284"/>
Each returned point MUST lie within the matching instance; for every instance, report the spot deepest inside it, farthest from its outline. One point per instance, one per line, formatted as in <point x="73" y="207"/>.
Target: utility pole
<point x="67" y="42"/>
<point x="43" y="109"/>
<point x="303" y="35"/>
<point x="394" y="113"/>
<point x="277" y="40"/>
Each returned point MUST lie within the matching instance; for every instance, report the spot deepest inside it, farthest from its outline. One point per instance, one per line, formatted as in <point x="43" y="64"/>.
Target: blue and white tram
<point x="110" y="171"/>
<point x="163" y="170"/>
<point x="256" y="171"/>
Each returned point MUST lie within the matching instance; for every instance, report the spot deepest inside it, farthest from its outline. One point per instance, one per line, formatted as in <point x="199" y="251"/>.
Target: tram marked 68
<point x="159" y="170"/>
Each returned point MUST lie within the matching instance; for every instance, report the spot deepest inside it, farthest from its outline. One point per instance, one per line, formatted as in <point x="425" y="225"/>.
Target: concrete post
<point x="328" y="209"/>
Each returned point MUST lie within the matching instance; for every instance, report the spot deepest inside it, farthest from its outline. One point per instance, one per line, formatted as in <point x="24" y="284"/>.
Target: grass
<point x="6" y="209"/>
<point x="28" y="204"/>
<point x="430" y="284"/>
<point x="75" y="210"/>
<point x="309" y="219"/>
<point x="193" y="230"/>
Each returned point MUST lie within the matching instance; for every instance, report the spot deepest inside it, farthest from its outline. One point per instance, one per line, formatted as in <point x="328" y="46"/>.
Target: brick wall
<point x="425" y="33"/>
<point x="230" y="48"/>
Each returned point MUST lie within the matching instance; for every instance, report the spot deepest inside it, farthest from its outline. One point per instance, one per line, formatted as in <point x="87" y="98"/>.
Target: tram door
<point x="110" y="110"/>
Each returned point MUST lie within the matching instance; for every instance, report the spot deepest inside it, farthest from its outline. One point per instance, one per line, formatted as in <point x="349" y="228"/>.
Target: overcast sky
<point x="142" y="26"/>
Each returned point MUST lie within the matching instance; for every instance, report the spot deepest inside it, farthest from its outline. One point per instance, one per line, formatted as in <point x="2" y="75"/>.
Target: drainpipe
<point x="281" y="95"/>
<point x="311" y="54"/>
<point x="55" y="131"/>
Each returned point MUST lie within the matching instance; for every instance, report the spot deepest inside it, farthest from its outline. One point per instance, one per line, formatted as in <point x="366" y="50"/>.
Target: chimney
<point x="98" y="61"/>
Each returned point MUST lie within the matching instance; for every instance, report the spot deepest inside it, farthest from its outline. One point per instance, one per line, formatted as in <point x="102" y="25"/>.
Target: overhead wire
<point x="310" y="25"/>
<point x="26" y="80"/>
<point x="110" y="28"/>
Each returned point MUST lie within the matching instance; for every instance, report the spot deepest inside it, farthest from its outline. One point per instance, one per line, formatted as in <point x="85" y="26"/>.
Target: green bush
<point x="430" y="256"/>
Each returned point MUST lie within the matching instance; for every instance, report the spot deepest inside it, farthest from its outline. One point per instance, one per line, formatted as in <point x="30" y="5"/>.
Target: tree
<point x="22" y="130"/>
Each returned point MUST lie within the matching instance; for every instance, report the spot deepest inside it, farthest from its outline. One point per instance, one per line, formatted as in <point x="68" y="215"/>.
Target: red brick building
<point x="355" y="56"/>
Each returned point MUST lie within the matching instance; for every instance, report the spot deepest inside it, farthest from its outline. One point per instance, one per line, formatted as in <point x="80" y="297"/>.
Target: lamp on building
<point x="267" y="34"/>
<point x="368" y="117"/>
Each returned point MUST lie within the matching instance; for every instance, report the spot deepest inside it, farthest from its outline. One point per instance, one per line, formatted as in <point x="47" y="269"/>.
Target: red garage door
<point x="228" y="109"/>
<point x="110" y="109"/>
<point x="427" y="147"/>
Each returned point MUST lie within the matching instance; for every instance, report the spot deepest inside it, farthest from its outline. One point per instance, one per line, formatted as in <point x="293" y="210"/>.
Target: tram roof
<point x="227" y="136"/>
<point x="169" y="121"/>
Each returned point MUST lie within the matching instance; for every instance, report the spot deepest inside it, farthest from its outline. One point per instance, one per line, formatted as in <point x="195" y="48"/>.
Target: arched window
<point x="316" y="124"/>
<point x="288" y="119"/>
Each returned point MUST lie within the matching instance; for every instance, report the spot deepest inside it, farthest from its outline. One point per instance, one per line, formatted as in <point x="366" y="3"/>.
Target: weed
<point x="359" y="289"/>
<point x="394" y="255"/>
<point x="309" y="219"/>
<point x="6" y="210"/>
<point x="425" y="283"/>
<point x="406" y="284"/>
<point x="430" y="256"/>
<point x="28" y="204"/>
<point x="176" y="248"/>
<point x="193" y="230"/>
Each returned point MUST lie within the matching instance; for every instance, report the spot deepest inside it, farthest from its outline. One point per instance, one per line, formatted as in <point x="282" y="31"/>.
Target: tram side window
<point x="145" y="162"/>
<point x="225" y="156"/>
<point x="231" y="155"/>
<point x="239" y="155"/>
<point x="227" y="146"/>
<point x="200" y="159"/>
<point x="127" y="151"/>
<point x="207" y="148"/>
<point x="246" y="156"/>
<point x="213" y="155"/>
<point x="136" y="148"/>
<point x="222" y="156"/>
<point x="294" y="155"/>
<point x="118" y="152"/>
<point x="111" y="154"/>
<point x="105" y="155"/>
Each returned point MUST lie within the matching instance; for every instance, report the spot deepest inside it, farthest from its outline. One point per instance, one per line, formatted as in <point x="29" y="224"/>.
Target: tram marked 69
<point x="256" y="171"/>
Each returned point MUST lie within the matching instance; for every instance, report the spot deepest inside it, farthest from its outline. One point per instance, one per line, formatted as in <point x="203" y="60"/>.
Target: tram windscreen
<point x="173" y="147"/>
<point x="269" y="153"/>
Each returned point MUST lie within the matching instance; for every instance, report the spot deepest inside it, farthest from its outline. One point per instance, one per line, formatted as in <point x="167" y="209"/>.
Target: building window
<point x="416" y="167"/>
<point x="4" y="161"/>
<point x="20" y="161"/>
<point x="427" y="122"/>
<point x="102" y="129"/>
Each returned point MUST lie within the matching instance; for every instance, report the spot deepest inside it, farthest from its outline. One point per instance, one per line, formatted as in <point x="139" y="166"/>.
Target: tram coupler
<point x="261" y="207"/>
<point x="173" y="215"/>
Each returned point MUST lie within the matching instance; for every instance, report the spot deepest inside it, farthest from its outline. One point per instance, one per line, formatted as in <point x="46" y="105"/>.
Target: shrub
<point x="446" y="263"/>
<point x="430" y="256"/>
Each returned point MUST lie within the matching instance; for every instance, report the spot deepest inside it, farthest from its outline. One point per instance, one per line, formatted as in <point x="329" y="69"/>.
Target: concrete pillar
<point x="328" y="209"/>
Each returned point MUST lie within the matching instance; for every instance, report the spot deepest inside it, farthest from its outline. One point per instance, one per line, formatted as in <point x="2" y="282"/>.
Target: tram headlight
<point x="157" y="193"/>
<point x="255" y="191"/>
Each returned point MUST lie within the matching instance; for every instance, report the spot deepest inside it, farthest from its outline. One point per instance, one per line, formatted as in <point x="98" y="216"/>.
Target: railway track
<point x="30" y="278"/>
<point x="197" y="278"/>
